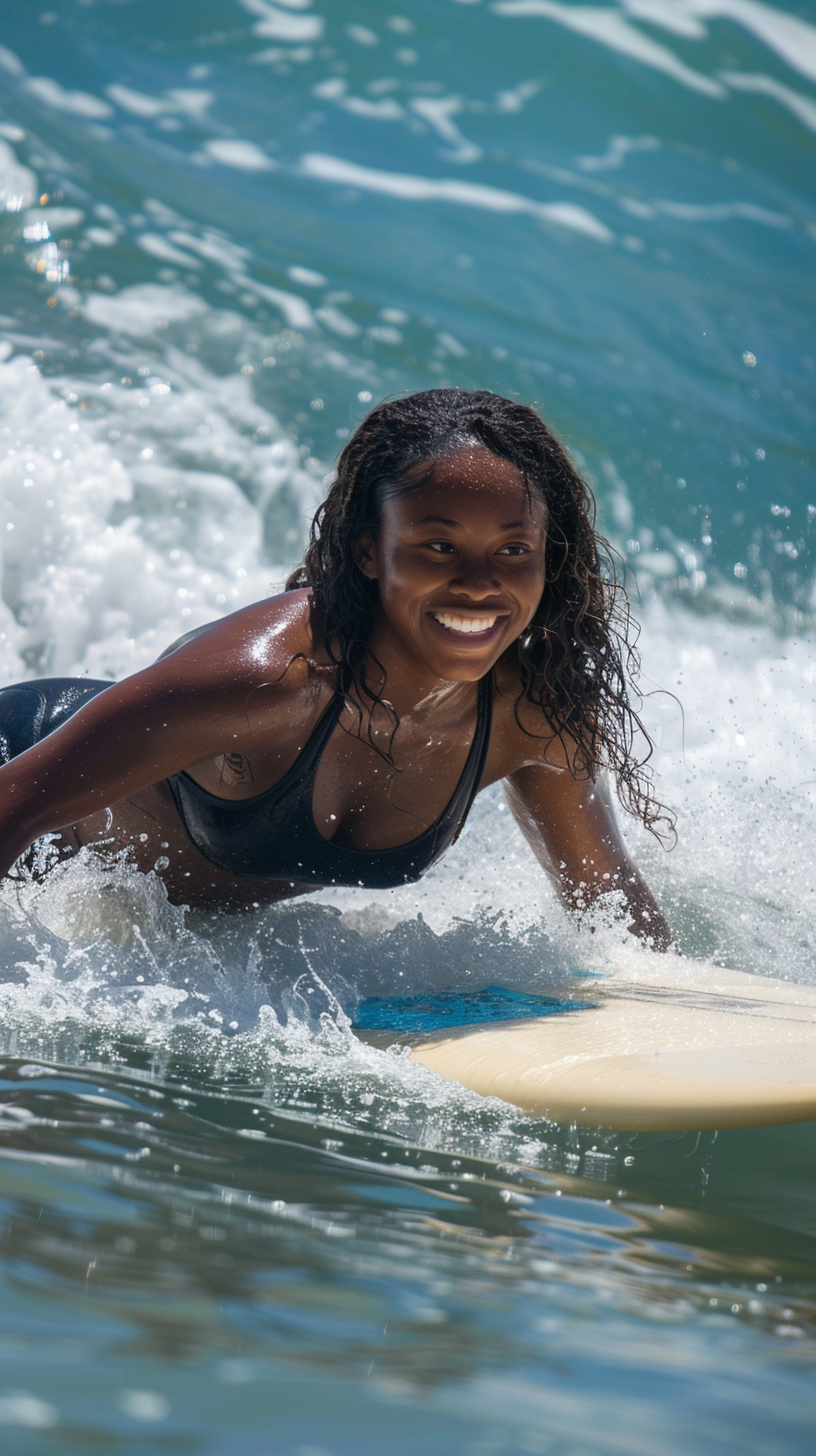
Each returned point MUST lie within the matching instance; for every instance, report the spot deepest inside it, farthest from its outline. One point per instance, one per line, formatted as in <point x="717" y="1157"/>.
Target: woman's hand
<point x="571" y="828"/>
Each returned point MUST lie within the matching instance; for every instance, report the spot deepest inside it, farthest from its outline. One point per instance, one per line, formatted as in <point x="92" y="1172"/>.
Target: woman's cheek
<point x="410" y="575"/>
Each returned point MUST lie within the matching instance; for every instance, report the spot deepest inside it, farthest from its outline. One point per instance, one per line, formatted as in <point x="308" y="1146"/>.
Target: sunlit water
<point x="228" y="1225"/>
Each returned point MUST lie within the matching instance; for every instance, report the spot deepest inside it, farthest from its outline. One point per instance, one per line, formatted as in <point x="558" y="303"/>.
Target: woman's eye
<point x="514" y="550"/>
<point x="443" y="548"/>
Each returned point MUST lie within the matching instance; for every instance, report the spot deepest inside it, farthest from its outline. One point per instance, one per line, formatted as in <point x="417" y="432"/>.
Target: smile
<point x="453" y="622"/>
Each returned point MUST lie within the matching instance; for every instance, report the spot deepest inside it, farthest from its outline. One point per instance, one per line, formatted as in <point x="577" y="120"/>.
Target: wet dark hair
<point x="577" y="657"/>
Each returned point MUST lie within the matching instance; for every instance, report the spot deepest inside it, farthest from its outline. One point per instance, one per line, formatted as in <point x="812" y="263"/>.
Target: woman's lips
<point x="473" y="627"/>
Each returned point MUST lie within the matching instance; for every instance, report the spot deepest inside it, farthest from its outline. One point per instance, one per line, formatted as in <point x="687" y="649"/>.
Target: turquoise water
<point x="227" y="1225"/>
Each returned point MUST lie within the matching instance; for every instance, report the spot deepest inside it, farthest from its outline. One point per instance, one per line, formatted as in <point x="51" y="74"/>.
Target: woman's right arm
<point x="185" y="708"/>
<point x="131" y="735"/>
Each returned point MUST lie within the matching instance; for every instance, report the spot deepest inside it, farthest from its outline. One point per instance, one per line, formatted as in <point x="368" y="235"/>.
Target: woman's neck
<point x="409" y="688"/>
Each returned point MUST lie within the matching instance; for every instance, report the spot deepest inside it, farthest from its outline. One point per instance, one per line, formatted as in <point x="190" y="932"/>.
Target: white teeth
<point x="456" y="623"/>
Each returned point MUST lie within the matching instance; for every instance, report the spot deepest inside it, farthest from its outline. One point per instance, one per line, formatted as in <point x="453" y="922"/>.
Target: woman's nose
<point x="475" y="578"/>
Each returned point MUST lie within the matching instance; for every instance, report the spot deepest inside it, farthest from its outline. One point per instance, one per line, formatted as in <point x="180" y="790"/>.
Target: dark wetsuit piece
<point x="30" y="711"/>
<point x="273" y="835"/>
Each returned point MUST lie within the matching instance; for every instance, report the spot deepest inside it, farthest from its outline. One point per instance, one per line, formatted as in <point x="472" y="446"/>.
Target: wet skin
<point x="459" y="563"/>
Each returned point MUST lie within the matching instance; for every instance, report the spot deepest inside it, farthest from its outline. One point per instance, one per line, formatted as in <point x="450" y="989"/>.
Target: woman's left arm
<point x="571" y="828"/>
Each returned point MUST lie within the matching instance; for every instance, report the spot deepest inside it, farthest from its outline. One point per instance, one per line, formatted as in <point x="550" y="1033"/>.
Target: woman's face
<point x="460" y="566"/>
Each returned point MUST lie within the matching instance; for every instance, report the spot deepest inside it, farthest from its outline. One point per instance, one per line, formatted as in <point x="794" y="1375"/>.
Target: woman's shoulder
<point x="525" y="731"/>
<point x="274" y="642"/>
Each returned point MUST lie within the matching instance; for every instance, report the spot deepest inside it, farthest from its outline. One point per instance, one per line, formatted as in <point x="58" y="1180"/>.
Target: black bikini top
<point x="273" y="835"/>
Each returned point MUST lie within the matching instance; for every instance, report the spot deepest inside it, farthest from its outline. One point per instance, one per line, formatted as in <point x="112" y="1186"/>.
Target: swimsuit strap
<point x="308" y="759"/>
<point x="468" y="785"/>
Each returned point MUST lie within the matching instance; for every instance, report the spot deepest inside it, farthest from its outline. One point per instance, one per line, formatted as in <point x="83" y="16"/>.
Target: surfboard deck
<point x="667" y="1045"/>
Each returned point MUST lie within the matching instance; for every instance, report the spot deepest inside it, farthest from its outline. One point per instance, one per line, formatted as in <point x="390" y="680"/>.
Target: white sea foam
<point x="793" y="38"/>
<point x="306" y="277"/>
<point x="790" y="36"/>
<point x="92" y="529"/>
<point x="18" y="184"/>
<point x="217" y="249"/>
<point x="140" y="310"/>
<point x="190" y="100"/>
<point x="721" y="211"/>
<point x="704" y="211"/>
<point x="231" y="152"/>
<point x="277" y="24"/>
<point x="295" y="310"/>
<point x="336" y="89"/>
<point x="102" y="237"/>
<point x="274" y="55"/>
<point x="213" y="245"/>
<point x="20" y="1408"/>
<point x="339" y="323"/>
<point x="57" y="219"/>
<point x="613" y="30"/>
<point x="673" y="16"/>
<point x="158" y="247"/>
<point x="438" y="112"/>
<point x="515" y="97"/>
<point x="136" y="102"/>
<point x="619" y="148"/>
<point x="76" y="103"/>
<point x="185" y="99"/>
<point x="468" y="194"/>
<point x="802" y="106"/>
<point x="11" y="63"/>
<point x="362" y="35"/>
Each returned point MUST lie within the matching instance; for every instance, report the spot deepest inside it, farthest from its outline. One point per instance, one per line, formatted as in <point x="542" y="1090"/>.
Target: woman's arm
<point x="187" y="707"/>
<point x="130" y="736"/>
<point x="571" y="828"/>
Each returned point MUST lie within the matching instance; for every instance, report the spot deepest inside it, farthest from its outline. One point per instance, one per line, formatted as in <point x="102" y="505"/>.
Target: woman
<point x="450" y="627"/>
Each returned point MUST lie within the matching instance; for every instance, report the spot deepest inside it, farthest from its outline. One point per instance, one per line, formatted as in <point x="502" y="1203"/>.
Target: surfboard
<point x="662" y="1045"/>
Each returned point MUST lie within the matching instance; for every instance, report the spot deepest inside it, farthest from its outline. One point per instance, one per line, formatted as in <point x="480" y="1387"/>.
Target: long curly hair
<point x="577" y="658"/>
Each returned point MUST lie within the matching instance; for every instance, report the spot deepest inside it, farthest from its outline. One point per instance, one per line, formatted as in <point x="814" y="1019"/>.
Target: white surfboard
<point x="670" y="1046"/>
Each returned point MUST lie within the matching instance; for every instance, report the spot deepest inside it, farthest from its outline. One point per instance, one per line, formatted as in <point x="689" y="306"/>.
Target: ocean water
<point x="226" y="228"/>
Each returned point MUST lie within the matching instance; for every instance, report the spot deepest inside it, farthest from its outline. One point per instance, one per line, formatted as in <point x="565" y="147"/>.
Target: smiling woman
<point x="451" y="627"/>
<point x="455" y="575"/>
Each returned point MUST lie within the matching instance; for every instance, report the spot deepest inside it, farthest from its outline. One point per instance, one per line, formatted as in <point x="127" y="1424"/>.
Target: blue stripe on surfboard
<point x="443" y="1010"/>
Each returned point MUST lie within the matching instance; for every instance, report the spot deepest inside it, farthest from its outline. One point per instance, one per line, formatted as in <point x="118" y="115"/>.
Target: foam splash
<point x="468" y="194"/>
<point x="100" y="971"/>
<point x="169" y="480"/>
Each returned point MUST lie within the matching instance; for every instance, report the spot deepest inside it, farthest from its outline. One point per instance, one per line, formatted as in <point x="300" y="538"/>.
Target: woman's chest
<point x="371" y="797"/>
<point x="369" y="783"/>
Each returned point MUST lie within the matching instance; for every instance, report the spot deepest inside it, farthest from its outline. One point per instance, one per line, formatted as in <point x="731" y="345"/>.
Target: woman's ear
<point x="364" y="552"/>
